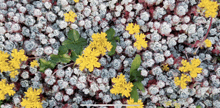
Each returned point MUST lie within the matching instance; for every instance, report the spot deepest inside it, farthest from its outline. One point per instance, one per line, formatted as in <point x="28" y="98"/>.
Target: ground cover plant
<point x="150" y="53"/>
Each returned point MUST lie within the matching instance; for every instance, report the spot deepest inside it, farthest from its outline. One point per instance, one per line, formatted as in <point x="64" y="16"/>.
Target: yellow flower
<point x="32" y="99"/>
<point x="140" y="41"/>
<point x="121" y="86"/>
<point x="131" y="102"/>
<point x="97" y="47"/>
<point x="127" y="89"/>
<point x="208" y="43"/>
<point x="6" y="89"/>
<point x="165" y="67"/>
<point x="210" y="7"/>
<point x="70" y="17"/>
<point x="13" y="73"/>
<point x="76" y="1"/>
<point x="191" y="67"/>
<point x="19" y="55"/>
<point x="182" y="81"/>
<point x="133" y="28"/>
<point x="177" y="105"/>
<point x="34" y="63"/>
<point x="88" y="60"/>
<point x="119" y="79"/>
<point x="100" y="43"/>
<point x="14" y="64"/>
<point x="168" y="103"/>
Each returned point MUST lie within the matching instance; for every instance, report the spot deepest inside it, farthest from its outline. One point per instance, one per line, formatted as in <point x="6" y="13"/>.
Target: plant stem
<point x="210" y="24"/>
<point x="200" y="44"/>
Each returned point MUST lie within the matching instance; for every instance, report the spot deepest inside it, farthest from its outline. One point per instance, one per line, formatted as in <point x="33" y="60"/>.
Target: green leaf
<point x="139" y="85"/>
<point x="134" y="94"/>
<point x="117" y="38"/>
<point x="112" y="52"/>
<point x="76" y="46"/>
<point x="62" y="50"/>
<point x="198" y="106"/>
<point x="43" y="65"/>
<point x="1" y="102"/>
<point x="65" y="58"/>
<point x="73" y="56"/>
<point x="73" y="35"/>
<point x="141" y="78"/>
<point x="55" y="58"/>
<point x="136" y="63"/>
<point x="67" y="42"/>
<point x="46" y="64"/>
<point x="110" y="34"/>
<point x="79" y="50"/>
<point x="81" y="42"/>
<point x="132" y="77"/>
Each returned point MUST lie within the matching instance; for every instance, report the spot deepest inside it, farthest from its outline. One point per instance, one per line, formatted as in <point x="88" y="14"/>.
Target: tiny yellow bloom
<point x="131" y="102"/>
<point x="165" y="67"/>
<point x="76" y="1"/>
<point x="208" y="43"/>
<point x="168" y="103"/>
<point x="34" y="63"/>
<point x="177" y="105"/>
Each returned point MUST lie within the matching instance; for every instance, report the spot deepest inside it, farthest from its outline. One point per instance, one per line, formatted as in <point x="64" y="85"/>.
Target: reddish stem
<point x="200" y="44"/>
<point x="210" y="24"/>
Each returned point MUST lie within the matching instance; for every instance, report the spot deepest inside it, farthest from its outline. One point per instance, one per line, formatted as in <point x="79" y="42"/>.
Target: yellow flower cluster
<point x="12" y="65"/>
<point x="182" y="81"/>
<point x="88" y="59"/>
<point x="121" y="86"/>
<point x="133" y="28"/>
<point x="177" y="105"/>
<point x="168" y="103"/>
<point x="100" y="43"/>
<point x="131" y="102"/>
<point x="191" y="67"/>
<point x="32" y="99"/>
<point x="188" y="67"/>
<point x="208" y="43"/>
<point x="210" y="7"/>
<point x="140" y="38"/>
<point x="6" y="89"/>
<point x="70" y="17"/>
<point x="34" y="63"/>
<point x="97" y="47"/>
<point x="140" y="41"/>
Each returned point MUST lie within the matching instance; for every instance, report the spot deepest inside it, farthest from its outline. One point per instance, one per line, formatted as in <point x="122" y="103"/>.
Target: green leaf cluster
<point x="73" y="43"/>
<point x="1" y="102"/>
<point x="136" y="78"/>
<point x="198" y="106"/>
<point x="111" y="38"/>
